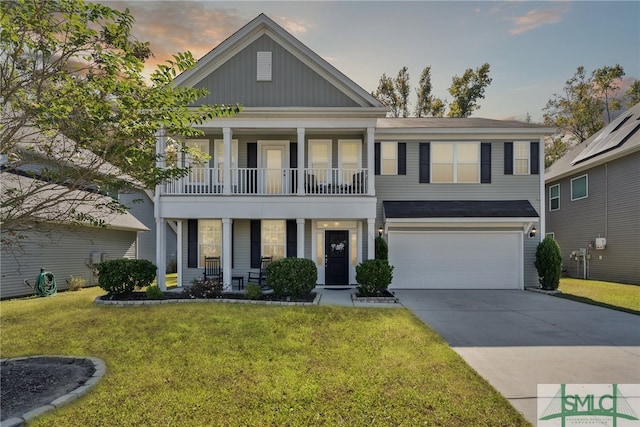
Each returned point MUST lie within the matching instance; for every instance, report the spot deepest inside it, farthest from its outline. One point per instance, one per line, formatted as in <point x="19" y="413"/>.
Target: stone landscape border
<point x="99" y="301"/>
<point x="100" y="369"/>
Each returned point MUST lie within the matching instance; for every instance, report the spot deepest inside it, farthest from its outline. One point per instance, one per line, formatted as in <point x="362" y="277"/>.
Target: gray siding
<point x="293" y="83"/>
<point x="611" y="210"/>
<point x="64" y="251"/>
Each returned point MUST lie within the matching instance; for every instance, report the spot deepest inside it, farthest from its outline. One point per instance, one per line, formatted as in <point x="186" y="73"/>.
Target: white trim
<point x="541" y="172"/>
<point x="551" y="198"/>
<point x="586" y="187"/>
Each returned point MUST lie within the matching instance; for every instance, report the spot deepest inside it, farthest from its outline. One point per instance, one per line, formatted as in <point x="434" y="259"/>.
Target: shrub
<point x="121" y="276"/>
<point x="373" y="276"/>
<point x="76" y="283"/>
<point x="154" y="292"/>
<point x="253" y="291"/>
<point x="382" y="250"/>
<point x="204" y="288"/>
<point x="292" y="277"/>
<point x="549" y="263"/>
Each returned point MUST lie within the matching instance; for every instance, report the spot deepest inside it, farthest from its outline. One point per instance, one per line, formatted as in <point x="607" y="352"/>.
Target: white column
<point x="543" y="193"/>
<point x="371" y="236"/>
<point x="179" y="236"/>
<point x="371" y="186"/>
<point x="300" y="162"/>
<point x="226" y="173"/>
<point x="300" y="229"/>
<point x="226" y="253"/>
<point x="161" y="253"/>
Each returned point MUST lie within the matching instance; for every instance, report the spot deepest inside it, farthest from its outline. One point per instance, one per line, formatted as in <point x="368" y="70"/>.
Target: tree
<point x="401" y="85"/>
<point x="467" y="90"/>
<point x="548" y="263"/>
<point x="394" y="93"/>
<point x="607" y="81"/>
<point x="633" y="94"/>
<point x="428" y="104"/>
<point x="73" y="96"/>
<point x="553" y="151"/>
<point x="577" y="110"/>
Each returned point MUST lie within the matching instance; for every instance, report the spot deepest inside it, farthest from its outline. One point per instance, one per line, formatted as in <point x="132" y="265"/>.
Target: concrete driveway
<point x="519" y="339"/>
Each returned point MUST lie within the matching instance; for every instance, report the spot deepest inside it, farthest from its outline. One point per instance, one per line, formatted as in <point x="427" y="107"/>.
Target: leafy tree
<point x="467" y="90"/>
<point x="607" y="81"/>
<point x="394" y="93"/>
<point x="401" y="85"/>
<point x="72" y="95"/>
<point x="427" y="104"/>
<point x="548" y="263"/>
<point x="438" y="107"/>
<point x="554" y="151"/>
<point x="633" y="94"/>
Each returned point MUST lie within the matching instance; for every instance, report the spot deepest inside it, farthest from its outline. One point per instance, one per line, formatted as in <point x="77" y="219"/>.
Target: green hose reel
<point x="45" y="284"/>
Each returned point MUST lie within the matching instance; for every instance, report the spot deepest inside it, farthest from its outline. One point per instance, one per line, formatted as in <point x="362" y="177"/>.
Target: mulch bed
<point x="142" y="296"/>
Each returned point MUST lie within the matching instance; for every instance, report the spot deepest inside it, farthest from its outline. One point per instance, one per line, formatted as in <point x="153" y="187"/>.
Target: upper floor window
<point x="388" y="158"/>
<point x="521" y="158"/>
<point x="579" y="188"/>
<point x="197" y="159"/>
<point x="219" y="157"/>
<point x="319" y="160"/>
<point x="554" y="197"/>
<point x="455" y="162"/>
<point x="349" y="158"/>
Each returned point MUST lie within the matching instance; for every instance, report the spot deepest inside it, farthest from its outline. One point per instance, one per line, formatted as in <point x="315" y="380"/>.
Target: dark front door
<point x="336" y="266"/>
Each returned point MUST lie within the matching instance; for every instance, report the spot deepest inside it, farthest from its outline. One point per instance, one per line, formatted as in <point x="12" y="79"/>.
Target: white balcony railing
<point x="262" y="181"/>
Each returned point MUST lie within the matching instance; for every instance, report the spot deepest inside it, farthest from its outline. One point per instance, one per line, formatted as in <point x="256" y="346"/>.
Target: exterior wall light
<point x="380" y="230"/>
<point x="532" y="232"/>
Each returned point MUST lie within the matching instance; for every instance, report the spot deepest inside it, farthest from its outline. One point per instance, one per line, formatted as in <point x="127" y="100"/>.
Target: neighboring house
<point x="66" y="250"/>
<point x="593" y="195"/>
<point x="312" y="168"/>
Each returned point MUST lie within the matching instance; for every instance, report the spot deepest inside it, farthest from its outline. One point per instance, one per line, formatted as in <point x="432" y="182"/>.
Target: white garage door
<point x="456" y="260"/>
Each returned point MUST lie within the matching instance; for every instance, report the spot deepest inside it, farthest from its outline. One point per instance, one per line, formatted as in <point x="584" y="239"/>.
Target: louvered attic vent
<point x="264" y="66"/>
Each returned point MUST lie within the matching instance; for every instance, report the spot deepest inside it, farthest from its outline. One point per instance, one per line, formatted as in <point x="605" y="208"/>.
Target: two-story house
<point x="312" y="168"/>
<point x="593" y="195"/>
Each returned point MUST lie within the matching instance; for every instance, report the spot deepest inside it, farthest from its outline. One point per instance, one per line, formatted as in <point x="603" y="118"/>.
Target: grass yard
<point x="205" y="364"/>
<point x="617" y="296"/>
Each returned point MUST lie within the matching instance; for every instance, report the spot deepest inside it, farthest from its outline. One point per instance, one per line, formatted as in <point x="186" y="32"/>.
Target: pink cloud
<point x="537" y="18"/>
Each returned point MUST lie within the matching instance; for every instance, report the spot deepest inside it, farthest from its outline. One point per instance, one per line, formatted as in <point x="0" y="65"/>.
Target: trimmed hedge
<point x="121" y="276"/>
<point x="549" y="263"/>
<point x="294" y="277"/>
<point x="373" y="276"/>
<point x="381" y="249"/>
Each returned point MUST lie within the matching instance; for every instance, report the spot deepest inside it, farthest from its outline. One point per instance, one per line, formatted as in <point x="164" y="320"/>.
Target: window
<point x="455" y="162"/>
<point x="198" y="160"/>
<point x="264" y="67"/>
<point x="551" y="234"/>
<point x="349" y="158"/>
<point x="274" y="243"/>
<point x="320" y="159"/>
<point x="219" y="157"/>
<point x="209" y="239"/>
<point x="388" y="158"/>
<point x="579" y="188"/>
<point x="554" y="197"/>
<point x="521" y="158"/>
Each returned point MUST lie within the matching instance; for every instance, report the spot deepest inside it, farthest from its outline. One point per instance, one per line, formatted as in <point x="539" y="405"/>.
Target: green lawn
<point x="607" y="294"/>
<point x="231" y="364"/>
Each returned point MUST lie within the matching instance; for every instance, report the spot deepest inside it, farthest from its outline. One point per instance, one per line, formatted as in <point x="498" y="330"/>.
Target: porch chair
<point x="212" y="268"/>
<point x="261" y="276"/>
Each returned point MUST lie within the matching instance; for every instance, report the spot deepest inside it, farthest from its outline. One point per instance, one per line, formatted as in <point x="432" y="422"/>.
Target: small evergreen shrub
<point x="121" y="276"/>
<point x="76" y="283"/>
<point x="253" y="291"/>
<point x="373" y="276"/>
<point x="204" y="288"/>
<point x="549" y="263"/>
<point x="381" y="249"/>
<point x="154" y="292"/>
<point x="292" y="277"/>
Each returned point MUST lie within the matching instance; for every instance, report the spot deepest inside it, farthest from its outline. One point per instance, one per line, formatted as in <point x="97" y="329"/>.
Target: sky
<point x="533" y="47"/>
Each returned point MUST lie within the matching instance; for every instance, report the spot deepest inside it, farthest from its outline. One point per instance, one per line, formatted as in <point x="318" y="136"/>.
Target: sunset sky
<point x="532" y="47"/>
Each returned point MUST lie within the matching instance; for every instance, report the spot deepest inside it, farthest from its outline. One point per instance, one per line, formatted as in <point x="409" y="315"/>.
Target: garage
<point x="457" y="244"/>
<point x="456" y="260"/>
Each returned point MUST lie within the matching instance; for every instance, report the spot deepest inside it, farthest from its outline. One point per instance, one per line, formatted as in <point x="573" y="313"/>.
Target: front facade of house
<point x="593" y="195"/>
<point x="311" y="168"/>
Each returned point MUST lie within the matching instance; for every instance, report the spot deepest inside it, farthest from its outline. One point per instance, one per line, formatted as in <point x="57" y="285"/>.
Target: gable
<point x="292" y="84"/>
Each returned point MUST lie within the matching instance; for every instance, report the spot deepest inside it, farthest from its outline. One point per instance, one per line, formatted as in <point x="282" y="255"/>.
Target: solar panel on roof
<point x="621" y="130"/>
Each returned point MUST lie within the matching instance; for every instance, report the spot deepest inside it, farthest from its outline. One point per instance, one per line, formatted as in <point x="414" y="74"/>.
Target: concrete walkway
<point x="342" y="296"/>
<point x="519" y="339"/>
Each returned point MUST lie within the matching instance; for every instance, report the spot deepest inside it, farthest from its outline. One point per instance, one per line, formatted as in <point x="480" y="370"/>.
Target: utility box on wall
<point x="601" y="243"/>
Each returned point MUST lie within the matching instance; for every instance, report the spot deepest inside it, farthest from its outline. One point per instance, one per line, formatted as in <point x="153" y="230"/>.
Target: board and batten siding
<point x="64" y="251"/>
<point x="502" y="187"/>
<point x="611" y="210"/>
<point x="293" y="83"/>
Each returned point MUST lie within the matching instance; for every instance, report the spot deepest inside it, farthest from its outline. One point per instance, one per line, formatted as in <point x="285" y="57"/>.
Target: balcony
<point x="271" y="182"/>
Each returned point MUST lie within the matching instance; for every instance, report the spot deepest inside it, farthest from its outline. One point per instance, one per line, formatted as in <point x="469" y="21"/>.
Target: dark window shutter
<point x="252" y="162"/>
<point x="376" y="151"/>
<point x="485" y="163"/>
<point x="192" y="243"/>
<point x="256" y="243"/>
<point x="424" y="154"/>
<point x="402" y="158"/>
<point x="293" y="155"/>
<point x="292" y="238"/>
<point x="508" y="158"/>
<point x="534" y="157"/>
